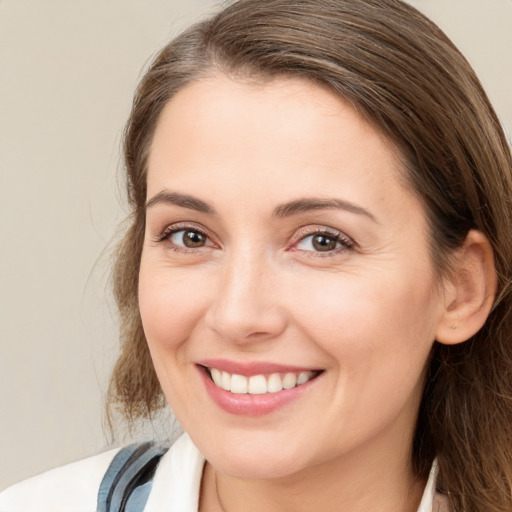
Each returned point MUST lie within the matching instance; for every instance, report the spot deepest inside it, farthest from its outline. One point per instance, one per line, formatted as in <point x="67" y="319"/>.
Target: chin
<point x="247" y="469"/>
<point x="255" y="461"/>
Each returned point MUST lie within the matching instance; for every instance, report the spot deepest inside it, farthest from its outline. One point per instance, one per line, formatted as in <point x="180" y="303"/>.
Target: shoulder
<point x="70" y="488"/>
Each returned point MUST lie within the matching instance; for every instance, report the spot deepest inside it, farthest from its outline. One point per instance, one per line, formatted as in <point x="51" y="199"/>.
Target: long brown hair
<point x="401" y="73"/>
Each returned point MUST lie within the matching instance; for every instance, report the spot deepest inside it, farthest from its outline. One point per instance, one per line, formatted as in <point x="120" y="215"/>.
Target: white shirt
<point x="176" y="484"/>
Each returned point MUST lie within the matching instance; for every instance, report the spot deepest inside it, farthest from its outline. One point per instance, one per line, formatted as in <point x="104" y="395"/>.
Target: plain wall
<point x="67" y="73"/>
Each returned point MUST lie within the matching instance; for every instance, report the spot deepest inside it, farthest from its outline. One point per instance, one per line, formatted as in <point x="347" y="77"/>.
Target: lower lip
<point x="252" y="405"/>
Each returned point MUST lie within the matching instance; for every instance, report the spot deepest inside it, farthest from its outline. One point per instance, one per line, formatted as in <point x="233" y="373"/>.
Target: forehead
<point x="287" y="123"/>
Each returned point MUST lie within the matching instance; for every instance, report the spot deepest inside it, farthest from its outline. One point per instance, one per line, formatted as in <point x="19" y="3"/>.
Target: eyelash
<point x="346" y="243"/>
<point x="169" y="231"/>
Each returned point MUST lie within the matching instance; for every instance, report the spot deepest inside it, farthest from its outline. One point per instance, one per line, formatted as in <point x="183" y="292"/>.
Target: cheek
<point x="378" y="339"/>
<point x="360" y="320"/>
<point x="170" y="307"/>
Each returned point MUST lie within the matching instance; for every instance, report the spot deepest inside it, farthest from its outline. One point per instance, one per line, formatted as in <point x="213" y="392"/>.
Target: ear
<point x="469" y="291"/>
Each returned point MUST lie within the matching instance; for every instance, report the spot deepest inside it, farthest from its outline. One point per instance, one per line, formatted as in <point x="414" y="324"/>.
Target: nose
<point x="246" y="307"/>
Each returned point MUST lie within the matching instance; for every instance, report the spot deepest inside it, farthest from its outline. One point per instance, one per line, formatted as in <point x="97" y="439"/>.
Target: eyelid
<point x="306" y="231"/>
<point x="165" y="235"/>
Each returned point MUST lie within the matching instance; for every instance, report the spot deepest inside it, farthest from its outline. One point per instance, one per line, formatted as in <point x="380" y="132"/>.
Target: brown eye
<point x="324" y="243"/>
<point x="189" y="238"/>
<point x="193" y="239"/>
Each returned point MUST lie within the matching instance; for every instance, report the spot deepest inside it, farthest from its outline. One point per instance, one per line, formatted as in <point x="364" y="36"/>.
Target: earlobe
<point x="469" y="291"/>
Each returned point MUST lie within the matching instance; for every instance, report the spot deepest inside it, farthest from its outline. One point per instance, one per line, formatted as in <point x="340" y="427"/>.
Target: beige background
<point x="67" y="73"/>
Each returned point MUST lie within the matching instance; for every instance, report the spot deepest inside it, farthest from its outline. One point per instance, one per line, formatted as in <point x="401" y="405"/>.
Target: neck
<point x="352" y="483"/>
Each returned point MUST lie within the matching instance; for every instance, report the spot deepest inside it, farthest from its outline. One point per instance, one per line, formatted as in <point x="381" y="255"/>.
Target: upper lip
<point x="252" y="368"/>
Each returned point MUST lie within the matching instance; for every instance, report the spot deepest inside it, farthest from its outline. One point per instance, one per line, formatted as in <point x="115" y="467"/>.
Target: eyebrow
<point x="183" y="200"/>
<point x="289" y="209"/>
<point x="311" y="203"/>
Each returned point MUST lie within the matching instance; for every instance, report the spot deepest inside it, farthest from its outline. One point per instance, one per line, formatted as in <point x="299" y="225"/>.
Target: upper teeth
<point x="258" y="384"/>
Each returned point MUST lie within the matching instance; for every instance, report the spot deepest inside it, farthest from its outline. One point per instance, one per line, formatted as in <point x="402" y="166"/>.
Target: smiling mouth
<point x="259" y="384"/>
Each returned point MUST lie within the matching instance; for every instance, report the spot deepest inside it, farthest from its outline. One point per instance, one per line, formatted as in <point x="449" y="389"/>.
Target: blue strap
<point x="127" y="482"/>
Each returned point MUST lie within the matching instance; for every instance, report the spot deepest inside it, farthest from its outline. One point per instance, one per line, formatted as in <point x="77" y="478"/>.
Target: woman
<point x="317" y="276"/>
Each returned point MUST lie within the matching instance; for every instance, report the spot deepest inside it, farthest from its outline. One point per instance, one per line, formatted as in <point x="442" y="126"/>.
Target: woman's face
<point x="282" y="250"/>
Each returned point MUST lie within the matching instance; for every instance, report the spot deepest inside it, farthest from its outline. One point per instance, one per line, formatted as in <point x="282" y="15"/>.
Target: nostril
<point x="245" y="324"/>
<point x="260" y="334"/>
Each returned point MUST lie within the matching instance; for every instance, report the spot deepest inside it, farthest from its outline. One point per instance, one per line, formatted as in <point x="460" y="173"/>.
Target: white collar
<point x="427" y="501"/>
<point x="177" y="481"/>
